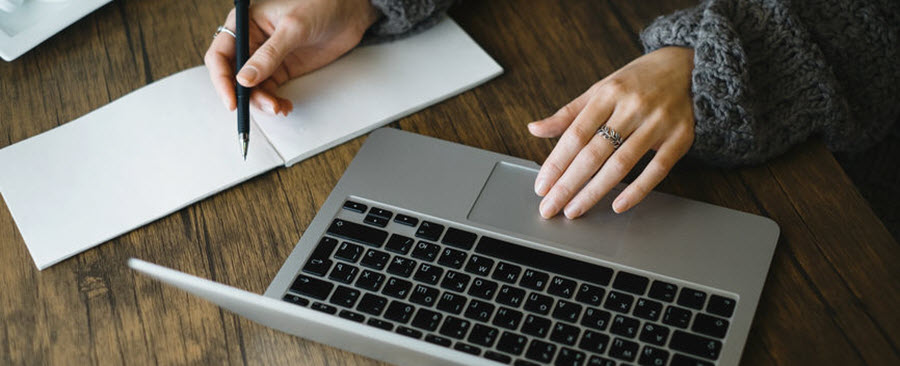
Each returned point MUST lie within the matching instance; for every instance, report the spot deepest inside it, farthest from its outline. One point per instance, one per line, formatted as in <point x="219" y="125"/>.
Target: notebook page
<point x="137" y="159"/>
<point x="374" y="85"/>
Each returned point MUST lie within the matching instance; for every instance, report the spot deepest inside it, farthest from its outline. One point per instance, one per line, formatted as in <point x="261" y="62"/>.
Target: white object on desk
<point x="33" y="22"/>
<point x="171" y="143"/>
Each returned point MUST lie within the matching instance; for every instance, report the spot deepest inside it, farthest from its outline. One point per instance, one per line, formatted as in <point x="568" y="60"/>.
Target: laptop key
<point x="567" y="311"/>
<point x="676" y="316"/>
<point x="380" y="212"/>
<point x="721" y="306"/>
<point x="600" y="361"/>
<point x="617" y="301"/>
<point x="654" y="334"/>
<point x="537" y="303"/>
<point x="565" y="334"/>
<point x="483" y="288"/>
<point x="535" y="280"/>
<point x="399" y="244"/>
<point x="467" y="348"/>
<point x="479" y="265"/>
<point x="312" y="287"/>
<point x="438" y="340"/>
<point x="483" y="335"/>
<point x="452" y="258"/>
<point x="695" y="345"/>
<point x="349" y="315"/>
<point x="369" y="280"/>
<point x="296" y="300"/>
<point x="455" y="281"/>
<point x="429" y="274"/>
<point x="451" y="303"/>
<point x="455" y="327"/>
<point x="538" y="259"/>
<point x="623" y="349"/>
<point x="594" y="342"/>
<point x="375" y="220"/>
<point x="691" y="298"/>
<point x="710" y="325"/>
<point x="355" y="206"/>
<point x="510" y="296"/>
<point x="590" y="294"/>
<point x="652" y="356"/>
<point x="409" y="332"/>
<point x="427" y="320"/>
<point x="541" y="351"/>
<point x="596" y="318"/>
<point x="512" y="343"/>
<point x="396" y="287"/>
<point x="401" y="266"/>
<point x="406" y="220"/>
<point x="372" y="304"/>
<point x="682" y="360"/>
<point x="426" y="251"/>
<point x="663" y="291"/>
<point x="507" y="272"/>
<point x="375" y="259"/>
<point x="624" y="326"/>
<point x="357" y="232"/>
<point x="399" y="312"/>
<point x="497" y="357"/>
<point x="424" y="295"/>
<point x="479" y="310"/>
<point x="343" y="273"/>
<point x="647" y="309"/>
<point x="507" y="318"/>
<point x="328" y="309"/>
<point x="562" y="287"/>
<point x="317" y="266"/>
<point x="381" y="324"/>
<point x="429" y="231"/>
<point x="569" y="357"/>
<point x="349" y="252"/>
<point x="459" y="238"/>
<point x="345" y="296"/>
<point x="536" y="326"/>
<point x="632" y="283"/>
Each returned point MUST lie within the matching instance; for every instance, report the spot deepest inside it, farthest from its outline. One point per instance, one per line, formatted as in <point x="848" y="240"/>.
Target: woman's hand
<point x="649" y="103"/>
<point x="288" y="38"/>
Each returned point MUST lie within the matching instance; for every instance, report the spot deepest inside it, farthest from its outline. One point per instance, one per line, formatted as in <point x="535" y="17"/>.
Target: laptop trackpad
<point x="508" y="202"/>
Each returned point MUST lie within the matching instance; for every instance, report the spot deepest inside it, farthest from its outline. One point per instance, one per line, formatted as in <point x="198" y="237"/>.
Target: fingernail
<point x="270" y="107"/>
<point x="620" y="204"/>
<point x="247" y="75"/>
<point x="540" y="188"/>
<point x="548" y="208"/>
<point x="572" y="212"/>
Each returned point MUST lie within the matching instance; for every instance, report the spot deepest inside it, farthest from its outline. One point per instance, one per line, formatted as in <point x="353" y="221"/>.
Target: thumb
<point x="271" y="54"/>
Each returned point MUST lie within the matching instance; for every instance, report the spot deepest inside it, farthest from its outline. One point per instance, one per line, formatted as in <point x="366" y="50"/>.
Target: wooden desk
<point x="831" y="297"/>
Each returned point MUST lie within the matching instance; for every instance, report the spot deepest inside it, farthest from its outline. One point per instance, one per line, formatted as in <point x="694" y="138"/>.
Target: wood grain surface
<point x="831" y="297"/>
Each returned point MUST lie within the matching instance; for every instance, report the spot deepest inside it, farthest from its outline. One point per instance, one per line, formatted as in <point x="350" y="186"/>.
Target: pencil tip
<point x="245" y="140"/>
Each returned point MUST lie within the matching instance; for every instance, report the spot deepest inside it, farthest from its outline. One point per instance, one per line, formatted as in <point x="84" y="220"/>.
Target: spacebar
<point x="553" y="263"/>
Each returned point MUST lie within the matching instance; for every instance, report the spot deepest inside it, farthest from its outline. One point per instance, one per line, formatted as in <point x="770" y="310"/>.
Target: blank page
<point x="137" y="159"/>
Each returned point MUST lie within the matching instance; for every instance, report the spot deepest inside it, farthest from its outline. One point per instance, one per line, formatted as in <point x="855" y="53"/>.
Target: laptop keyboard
<point x="502" y="301"/>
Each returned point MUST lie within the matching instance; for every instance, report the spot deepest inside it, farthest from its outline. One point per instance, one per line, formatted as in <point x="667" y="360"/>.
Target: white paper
<point x="375" y="85"/>
<point x="124" y="165"/>
<point x="171" y="143"/>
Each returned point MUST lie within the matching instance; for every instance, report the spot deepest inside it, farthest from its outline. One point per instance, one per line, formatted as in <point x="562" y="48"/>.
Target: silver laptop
<point x="433" y="253"/>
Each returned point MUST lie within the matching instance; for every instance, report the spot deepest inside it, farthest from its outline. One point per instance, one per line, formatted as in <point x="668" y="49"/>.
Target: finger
<point x="288" y="35"/>
<point x="556" y="124"/>
<point x="266" y="98"/>
<point x="219" y="60"/>
<point x="668" y="154"/>
<point x="612" y="171"/>
<point x="586" y="163"/>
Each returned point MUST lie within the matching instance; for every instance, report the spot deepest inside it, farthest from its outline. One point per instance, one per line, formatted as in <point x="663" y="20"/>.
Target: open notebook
<point x="172" y="143"/>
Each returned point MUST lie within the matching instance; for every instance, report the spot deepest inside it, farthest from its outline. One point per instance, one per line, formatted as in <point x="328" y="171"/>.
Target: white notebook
<point x="172" y="143"/>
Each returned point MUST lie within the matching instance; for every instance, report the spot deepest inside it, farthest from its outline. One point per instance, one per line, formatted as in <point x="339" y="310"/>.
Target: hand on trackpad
<point x="508" y="202"/>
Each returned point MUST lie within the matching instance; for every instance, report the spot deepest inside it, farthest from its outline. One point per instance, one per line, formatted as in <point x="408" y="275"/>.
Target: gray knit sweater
<point x="768" y="74"/>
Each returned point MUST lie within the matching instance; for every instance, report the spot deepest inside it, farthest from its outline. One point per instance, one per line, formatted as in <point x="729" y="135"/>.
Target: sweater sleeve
<point x="768" y="74"/>
<point x="404" y="17"/>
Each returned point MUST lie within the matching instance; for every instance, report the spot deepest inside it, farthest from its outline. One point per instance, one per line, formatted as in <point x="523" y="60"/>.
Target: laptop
<point x="433" y="253"/>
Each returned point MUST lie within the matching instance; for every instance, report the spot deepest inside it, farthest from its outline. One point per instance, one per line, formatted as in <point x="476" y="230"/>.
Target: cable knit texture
<point x="769" y="74"/>
<point x="404" y="17"/>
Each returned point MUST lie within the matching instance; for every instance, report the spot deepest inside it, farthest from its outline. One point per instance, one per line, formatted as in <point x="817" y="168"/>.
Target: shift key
<point x="356" y="232"/>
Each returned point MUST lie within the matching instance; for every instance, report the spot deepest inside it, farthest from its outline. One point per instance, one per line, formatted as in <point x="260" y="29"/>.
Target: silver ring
<point x="610" y="135"/>
<point x="222" y="29"/>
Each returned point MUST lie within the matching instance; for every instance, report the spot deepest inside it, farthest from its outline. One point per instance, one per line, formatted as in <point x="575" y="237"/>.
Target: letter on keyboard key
<point x="691" y="298"/>
<point x="455" y="327"/>
<point x="356" y="232"/>
<point x="483" y="335"/>
<point x="557" y="264"/>
<point x="427" y="320"/>
<point x="512" y="343"/>
<point x="429" y="231"/>
<point x="695" y="345"/>
<point x="536" y="326"/>
<point x="345" y="296"/>
<point x="721" y="306"/>
<point x="594" y="342"/>
<point x="312" y="287"/>
<point x="541" y="351"/>
<point x="652" y="356"/>
<point x="617" y="301"/>
<point x="623" y="350"/>
<point x="372" y="304"/>
<point x="710" y="325"/>
<point x="568" y="356"/>
<point x="399" y="312"/>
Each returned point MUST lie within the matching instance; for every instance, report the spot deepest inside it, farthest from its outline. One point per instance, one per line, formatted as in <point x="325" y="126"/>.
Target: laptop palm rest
<point x="508" y="202"/>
